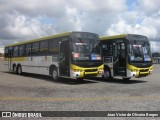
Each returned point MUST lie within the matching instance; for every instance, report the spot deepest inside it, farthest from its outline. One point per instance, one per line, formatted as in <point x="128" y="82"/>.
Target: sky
<point x="27" y="19"/>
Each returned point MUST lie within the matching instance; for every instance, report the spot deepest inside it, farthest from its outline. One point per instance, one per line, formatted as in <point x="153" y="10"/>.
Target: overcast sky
<point x="27" y="19"/>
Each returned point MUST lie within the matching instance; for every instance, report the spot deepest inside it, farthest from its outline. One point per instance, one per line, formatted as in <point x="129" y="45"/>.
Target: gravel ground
<point x="30" y="92"/>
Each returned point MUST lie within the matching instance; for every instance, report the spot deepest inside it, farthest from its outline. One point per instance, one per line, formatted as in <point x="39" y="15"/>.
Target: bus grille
<point x="91" y="70"/>
<point x="144" y="70"/>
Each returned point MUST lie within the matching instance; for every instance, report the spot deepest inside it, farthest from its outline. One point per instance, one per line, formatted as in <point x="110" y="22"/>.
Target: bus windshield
<point x="85" y="49"/>
<point x="140" y="51"/>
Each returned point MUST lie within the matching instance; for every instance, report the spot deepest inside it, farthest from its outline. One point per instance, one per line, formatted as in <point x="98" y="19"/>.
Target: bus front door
<point x="64" y="61"/>
<point x="119" y="59"/>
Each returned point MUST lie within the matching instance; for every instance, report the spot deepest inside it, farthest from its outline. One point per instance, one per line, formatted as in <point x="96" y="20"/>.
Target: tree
<point x="156" y="54"/>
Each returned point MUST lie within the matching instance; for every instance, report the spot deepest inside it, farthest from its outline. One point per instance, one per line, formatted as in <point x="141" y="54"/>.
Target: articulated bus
<point x="126" y="55"/>
<point x="72" y="55"/>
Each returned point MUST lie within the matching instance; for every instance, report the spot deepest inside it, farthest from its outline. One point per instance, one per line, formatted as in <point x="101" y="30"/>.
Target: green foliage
<point x="156" y="54"/>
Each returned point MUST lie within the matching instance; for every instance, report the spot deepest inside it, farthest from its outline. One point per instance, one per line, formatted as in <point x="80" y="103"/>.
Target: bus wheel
<point x="15" y="69"/>
<point x="54" y="74"/>
<point x="107" y="74"/>
<point x="19" y="70"/>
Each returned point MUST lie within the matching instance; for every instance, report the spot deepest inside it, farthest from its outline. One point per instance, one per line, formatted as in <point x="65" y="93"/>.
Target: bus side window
<point x="6" y="52"/>
<point x="35" y="48"/>
<point x="28" y="49"/>
<point x="43" y="47"/>
<point x="54" y="46"/>
<point x="115" y="49"/>
<point x="21" y="50"/>
<point x="107" y="49"/>
<point x="10" y="51"/>
<point x="15" y="51"/>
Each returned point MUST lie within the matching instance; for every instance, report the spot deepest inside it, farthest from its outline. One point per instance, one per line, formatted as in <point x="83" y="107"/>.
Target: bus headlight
<point x="151" y="69"/>
<point x="101" y="71"/>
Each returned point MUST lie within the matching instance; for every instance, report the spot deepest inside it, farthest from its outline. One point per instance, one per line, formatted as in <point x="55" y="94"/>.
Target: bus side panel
<point x="37" y="65"/>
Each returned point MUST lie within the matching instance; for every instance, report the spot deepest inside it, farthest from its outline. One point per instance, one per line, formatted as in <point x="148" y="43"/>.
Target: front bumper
<point x="133" y="71"/>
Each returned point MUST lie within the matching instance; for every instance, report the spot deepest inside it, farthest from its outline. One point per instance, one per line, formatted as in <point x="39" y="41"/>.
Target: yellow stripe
<point x="113" y="37"/>
<point x="130" y="67"/>
<point x="16" y="59"/>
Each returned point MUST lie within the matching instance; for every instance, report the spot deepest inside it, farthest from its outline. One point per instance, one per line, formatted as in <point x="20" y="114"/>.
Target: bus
<point x="126" y="56"/>
<point x="71" y="54"/>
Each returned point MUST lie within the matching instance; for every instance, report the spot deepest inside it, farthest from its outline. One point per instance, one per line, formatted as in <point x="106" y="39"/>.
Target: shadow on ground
<point x="60" y="80"/>
<point x="119" y="80"/>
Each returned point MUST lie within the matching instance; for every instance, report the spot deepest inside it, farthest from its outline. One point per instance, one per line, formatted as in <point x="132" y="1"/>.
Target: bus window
<point x="43" y="47"/>
<point x="107" y="49"/>
<point x="122" y="50"/>
<point x="21" y="50"/>
<point x="10" y="51"/>
<point x="28" y="49"/>
<point x="35" y="48"/>
<point x="54" y="46"/>
<point x="15" y="52"/>
<point x="115" y="49"/>
<point x="6" y="52"/>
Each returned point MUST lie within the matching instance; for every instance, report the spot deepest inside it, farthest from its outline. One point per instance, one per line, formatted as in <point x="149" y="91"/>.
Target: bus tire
<point x="107" y="74"/>
<point x="54" y="73"/>
<point x="14" y="69"/>
<point x="19" y="70"/>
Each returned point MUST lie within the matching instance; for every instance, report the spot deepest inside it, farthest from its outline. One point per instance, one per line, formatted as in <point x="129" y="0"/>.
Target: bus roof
<point x="113" y="37"/>
<point x="40" y="39"/>
<point x="127" y="36"/>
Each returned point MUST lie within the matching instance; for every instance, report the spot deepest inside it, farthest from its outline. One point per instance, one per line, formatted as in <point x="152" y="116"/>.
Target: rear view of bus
<point x="126" y="55"/>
